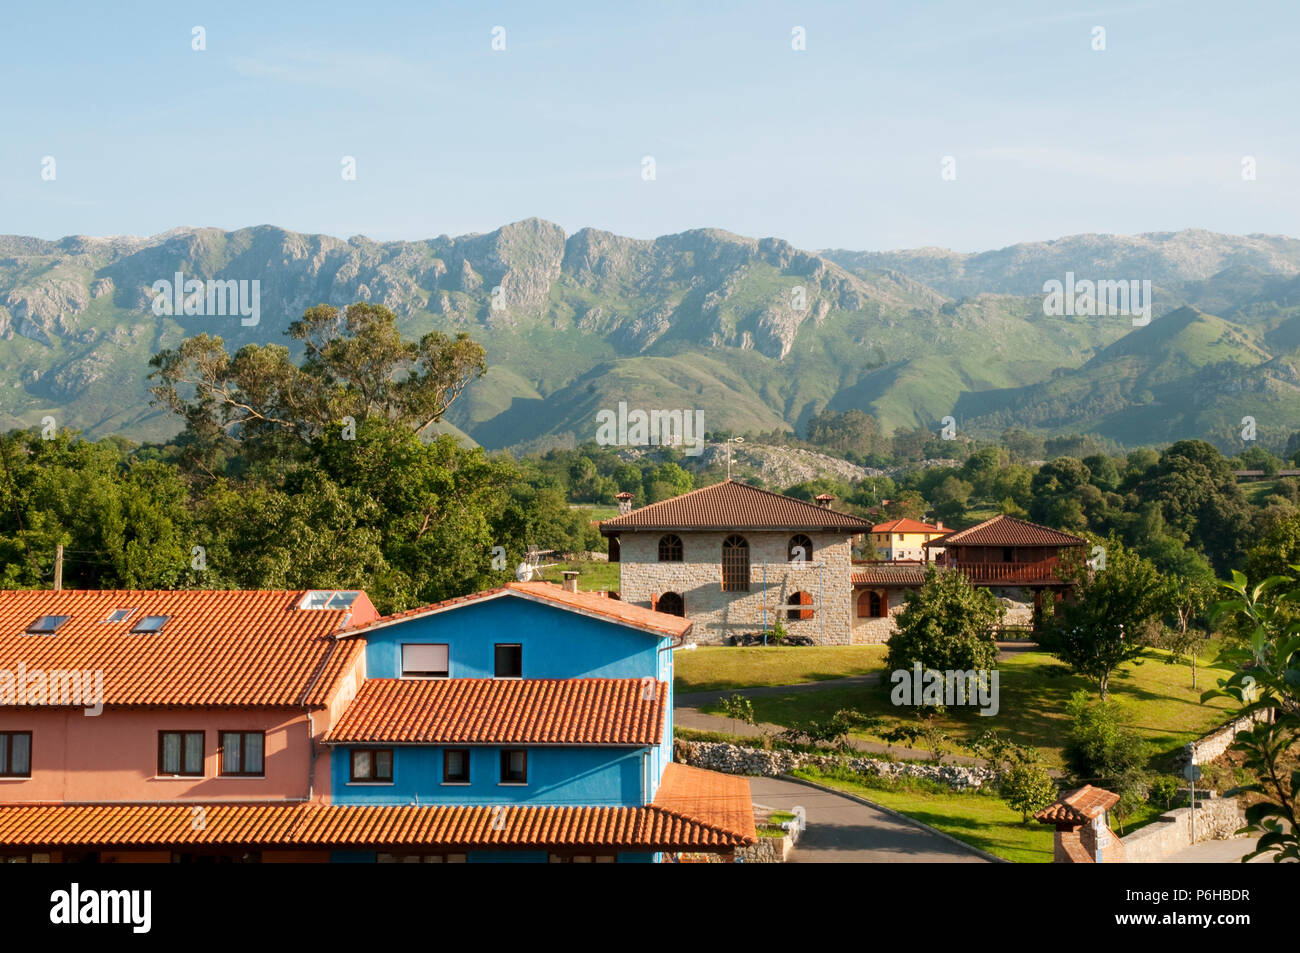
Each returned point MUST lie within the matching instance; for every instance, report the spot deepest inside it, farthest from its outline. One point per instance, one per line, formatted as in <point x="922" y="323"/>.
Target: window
<point x="150" y="623"/>
<point x="15" y="754"/>
<point x="455" y="766"/>
<point x="424" y="661"/>
<point x="242" y="753"/>
<point x="328" y="599"/>
<point x="735" y="564"/>
<point x="800" y="549"/>
<point x="420" y="858"/>
<point x="514" y="766"/>
<point x="670" y="549"/>
<point x="119" y="615"/>
<point x="372" y="765"/>
<point x="509" y="661"/>
<point x="672" y="603"/>
<point x="47" y="624"/>
<point x="799" y="599"/>
<point x="583" y="858"/>
<point x="180" y="754"/>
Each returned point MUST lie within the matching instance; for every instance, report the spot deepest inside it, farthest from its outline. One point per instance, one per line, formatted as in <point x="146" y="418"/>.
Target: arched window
<point x="864" y="604"/>
<point x="879" y="605"/>
<point x="735" y="564"/>
<point x="670" y="549"/>
<point x="672" y="603"/>
<point x="799" y="599"/>
<point x="800" y="549"/>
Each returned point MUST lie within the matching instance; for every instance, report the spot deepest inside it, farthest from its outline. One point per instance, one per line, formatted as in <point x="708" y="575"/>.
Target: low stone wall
<point x="735" y="759"/>
<point x="1216" y="819"/>
<point x="1205" y="749"/>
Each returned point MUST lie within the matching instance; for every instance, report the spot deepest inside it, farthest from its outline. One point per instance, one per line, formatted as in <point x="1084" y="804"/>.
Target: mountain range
<point x="757" y="333"/>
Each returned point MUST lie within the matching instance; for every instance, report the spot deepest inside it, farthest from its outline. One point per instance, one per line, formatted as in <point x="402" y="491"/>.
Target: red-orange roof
<point x="700" y="815"/>
<point x="889" y="574"/>
<point x="906" y="525"/>
<point x="218" y="648"/>
<point x="584" y="603"/>
<point x="588" y="711"/>
<point x="733" y="505"/>
<point x="1003" y="530"/>
<point x="1078" y="806"/>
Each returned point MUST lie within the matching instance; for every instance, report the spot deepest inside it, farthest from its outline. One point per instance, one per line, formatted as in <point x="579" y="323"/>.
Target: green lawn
<point x="718" y="668"/>
<point x="592" y="576"/>
<point x="981" y="820"/>
<point x="1033" y="690"/>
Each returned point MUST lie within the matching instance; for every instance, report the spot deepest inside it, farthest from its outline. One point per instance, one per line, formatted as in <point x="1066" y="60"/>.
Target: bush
<point x="1102" y="751"/>
<point x="1164" y="789"/>
<point x="1027" y="788"/>
<point x="946" y="626"/>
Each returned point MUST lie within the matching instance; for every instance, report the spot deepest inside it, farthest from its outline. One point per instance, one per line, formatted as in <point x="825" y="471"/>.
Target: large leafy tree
<point x="1110" y="615"/>
<point x="355" y="364"/>
<point x="1200" y="500"/>
<point x="947" y="625"/>
<point x="1267" y="681"/>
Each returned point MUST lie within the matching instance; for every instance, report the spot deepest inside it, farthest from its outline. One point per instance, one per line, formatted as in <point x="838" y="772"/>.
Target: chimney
<point x="624" y="502"/>
<point x="570" y="583"/>
<point x="824" y="501"/>
<point x="938" y="524"/>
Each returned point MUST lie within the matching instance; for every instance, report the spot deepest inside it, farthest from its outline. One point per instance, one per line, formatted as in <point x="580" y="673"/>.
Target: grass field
<point x="1033" y="688"/>
<point x="592" y="576"/>
<point x="718" y="668"/>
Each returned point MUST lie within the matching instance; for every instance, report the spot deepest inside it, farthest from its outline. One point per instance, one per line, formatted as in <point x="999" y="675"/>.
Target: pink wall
<point x="114" y="756"/>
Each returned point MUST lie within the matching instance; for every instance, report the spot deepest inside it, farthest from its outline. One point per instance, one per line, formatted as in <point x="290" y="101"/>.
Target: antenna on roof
<point x="730" y="441"/>
<point x="58" y="567"/>
<point x="532" y="563"/>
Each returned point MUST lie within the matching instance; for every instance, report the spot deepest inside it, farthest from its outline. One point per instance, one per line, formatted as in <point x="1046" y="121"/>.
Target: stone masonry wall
<point x="1216" y="819"/>
<point x="718" y="614"/>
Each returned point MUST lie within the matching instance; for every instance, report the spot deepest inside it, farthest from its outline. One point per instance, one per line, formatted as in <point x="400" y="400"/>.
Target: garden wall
<point x="1216" y="819"/>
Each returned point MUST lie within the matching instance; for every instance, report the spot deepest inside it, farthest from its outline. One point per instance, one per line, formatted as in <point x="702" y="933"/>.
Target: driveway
<point x="843" y="831"/>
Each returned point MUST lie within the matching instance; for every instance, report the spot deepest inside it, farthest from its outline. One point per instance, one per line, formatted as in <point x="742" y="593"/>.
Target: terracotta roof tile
<point x="733" y="505"/>
<point x="906" y="525"/>
<point x="1003" y="530"/>
<point x="218" y="648"/>
<point x="709" y="797"/>
<point x="362" y="827"/>
<point x="588" y="711"/>
<point x="1078" y="806"/>
<point x="889" y="574"/>
<point x="585" y="603"/>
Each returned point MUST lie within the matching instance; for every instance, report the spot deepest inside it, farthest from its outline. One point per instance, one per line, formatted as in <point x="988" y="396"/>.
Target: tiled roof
<point x="906" y="525"/>
<point x="889" y="574"/>
<point x="709" y="797"/>
<point x="1003" y="530"/>
<point x="732" y="505"/>
<point x="585" y="603"/>
<point x="1078" y="806"/>
<point x="218" y="648"/>
<point x="711" y="820"/>
<point x="591" y="711"/>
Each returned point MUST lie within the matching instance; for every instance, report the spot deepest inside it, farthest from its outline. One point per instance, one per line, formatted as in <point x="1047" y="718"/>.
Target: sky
<point x="841" y="144"/>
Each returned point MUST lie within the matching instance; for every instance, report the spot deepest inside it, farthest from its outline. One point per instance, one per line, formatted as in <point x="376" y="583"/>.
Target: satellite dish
<point x="523" y="572"/>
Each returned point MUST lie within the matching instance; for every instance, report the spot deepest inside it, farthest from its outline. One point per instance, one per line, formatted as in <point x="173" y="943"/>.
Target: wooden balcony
<point x="1008" y="574"/>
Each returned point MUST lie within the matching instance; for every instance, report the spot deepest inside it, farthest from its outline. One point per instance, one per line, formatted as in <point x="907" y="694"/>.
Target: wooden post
<point x="58" y="567"/>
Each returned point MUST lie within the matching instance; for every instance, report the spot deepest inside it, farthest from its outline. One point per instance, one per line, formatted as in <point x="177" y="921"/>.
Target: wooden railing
<point x="1006" y="573"/>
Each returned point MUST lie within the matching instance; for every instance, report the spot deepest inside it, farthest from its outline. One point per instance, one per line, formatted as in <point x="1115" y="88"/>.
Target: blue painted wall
<point x="556" y="643"/>
<point x="556" y="777"/>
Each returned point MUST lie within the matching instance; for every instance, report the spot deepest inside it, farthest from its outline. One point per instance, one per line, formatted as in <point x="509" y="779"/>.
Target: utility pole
<point x="58" y="567"/>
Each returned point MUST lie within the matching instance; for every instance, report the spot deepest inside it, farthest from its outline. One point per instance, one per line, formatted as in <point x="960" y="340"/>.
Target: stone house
<point x="880" y="590"/>
<point x="733" y="559"/>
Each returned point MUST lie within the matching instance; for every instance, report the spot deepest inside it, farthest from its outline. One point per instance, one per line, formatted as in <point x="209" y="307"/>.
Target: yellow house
<point x="903" y="539"/>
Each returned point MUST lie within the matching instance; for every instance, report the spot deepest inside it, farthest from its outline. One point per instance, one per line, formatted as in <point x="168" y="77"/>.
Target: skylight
<point x="47" y="624"/>
<point x="329" y="599"/>
<point x="150" y="623"/>
<point x="119" y="615"/>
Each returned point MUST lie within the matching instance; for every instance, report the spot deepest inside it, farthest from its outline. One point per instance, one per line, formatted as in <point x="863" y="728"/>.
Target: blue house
<point x="539" y="719"/>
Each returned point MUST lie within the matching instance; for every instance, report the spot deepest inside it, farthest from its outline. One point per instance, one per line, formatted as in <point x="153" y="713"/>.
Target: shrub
<point x="1027" y="788"/>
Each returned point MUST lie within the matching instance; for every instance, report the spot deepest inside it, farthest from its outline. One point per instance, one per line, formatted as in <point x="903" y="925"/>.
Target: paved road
<point x="844" y="831"/>
<point x="1217" y="852"/>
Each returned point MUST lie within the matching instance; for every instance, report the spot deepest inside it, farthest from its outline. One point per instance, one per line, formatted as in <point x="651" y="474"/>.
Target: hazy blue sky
<point x="839" y="145"/>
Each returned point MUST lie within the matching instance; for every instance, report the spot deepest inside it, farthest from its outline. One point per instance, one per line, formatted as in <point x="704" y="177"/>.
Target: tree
<point x="1267" y="680"/>
<point x="1189" y="599"/>
<point x="1027" y="788"/>
<point x="1101" y="749"/>
<point x="1200" y="500"/>
<point x="946" y="626"/>
<point x="356" y="365"/>
<point x="1109" y="615"/>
